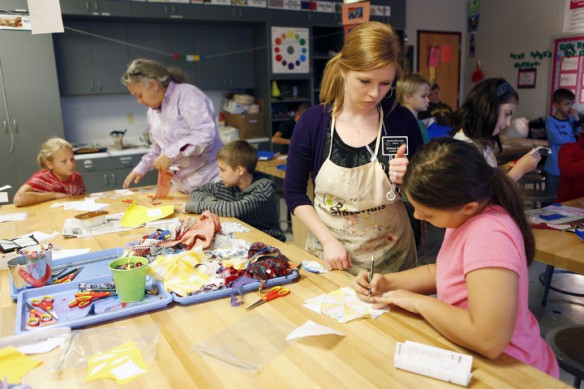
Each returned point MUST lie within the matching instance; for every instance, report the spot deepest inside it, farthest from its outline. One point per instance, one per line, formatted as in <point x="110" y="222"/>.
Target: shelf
<point x="292" y="100"/>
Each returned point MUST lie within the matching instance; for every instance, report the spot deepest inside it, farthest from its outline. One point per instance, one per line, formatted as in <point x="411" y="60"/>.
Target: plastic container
<point x="130" y="282"/>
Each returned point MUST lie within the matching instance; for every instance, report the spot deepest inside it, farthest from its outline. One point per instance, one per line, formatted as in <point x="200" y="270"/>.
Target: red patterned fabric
<point x="45" y="181"/>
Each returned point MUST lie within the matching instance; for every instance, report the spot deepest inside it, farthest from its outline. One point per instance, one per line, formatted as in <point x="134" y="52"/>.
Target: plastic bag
<point x="83" y="344"/>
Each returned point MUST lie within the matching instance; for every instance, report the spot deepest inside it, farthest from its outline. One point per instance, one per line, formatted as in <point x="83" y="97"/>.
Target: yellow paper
<point x="14" y="364"/>
<point x="178" y="272"/>
<point x="122" y="363"/>
<point x="136" y="215"/>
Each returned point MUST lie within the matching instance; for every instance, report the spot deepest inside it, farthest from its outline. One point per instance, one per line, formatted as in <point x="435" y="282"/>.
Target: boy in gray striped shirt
<point x="242" y="193"/>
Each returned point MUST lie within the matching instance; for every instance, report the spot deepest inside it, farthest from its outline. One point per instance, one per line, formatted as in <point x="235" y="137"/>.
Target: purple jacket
<point x="308" y="139"/>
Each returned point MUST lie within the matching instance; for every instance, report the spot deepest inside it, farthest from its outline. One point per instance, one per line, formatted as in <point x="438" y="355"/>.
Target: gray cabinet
<point x="233" y="67"/>
<point x="167" y="10"/>
<point x="30" y="109"/>
<point x="96" y="7"/>
<point x="164" y="38"/>
<point x="108" y="173"/>
<point x="234" y="12"/>
<point x="89" y="64"/>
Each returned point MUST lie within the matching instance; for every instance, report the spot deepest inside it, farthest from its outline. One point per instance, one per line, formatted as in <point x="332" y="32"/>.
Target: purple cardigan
<point x="308" y="139"/>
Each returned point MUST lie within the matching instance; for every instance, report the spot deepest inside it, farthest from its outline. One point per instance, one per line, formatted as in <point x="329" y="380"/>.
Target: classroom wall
<point x="433" y="15"/>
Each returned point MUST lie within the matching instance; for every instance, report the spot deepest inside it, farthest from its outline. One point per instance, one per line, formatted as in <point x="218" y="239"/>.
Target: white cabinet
<point x="30" y="106"/>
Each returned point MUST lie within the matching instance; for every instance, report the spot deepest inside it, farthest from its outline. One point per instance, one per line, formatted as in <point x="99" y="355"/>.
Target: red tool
<point x="46" y="304"/>
<point x="274" y="293"/>
<point x="83" y="299"/>
<point x="36" y="318"/>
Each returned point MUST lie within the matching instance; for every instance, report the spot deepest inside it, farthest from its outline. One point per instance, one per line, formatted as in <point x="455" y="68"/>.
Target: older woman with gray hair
<point x="181" y="125"/>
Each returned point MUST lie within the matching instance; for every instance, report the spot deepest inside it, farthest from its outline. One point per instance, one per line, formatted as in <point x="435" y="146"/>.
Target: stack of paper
<point x="433" y="362"/>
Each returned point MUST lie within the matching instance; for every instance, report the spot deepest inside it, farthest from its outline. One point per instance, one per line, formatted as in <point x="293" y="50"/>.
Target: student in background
<point x="356" y="212"/>
<point x="437" y="109"/>
<point x="413" y="90"/>
<point x="181" y="126"/>
<point x="57" y="179"/>
<point x="487" y="110"/>
<point x="480" y="277"/>
<point x="284" y="133"/>
<point x="571" y="164"/>
<point x="561" y="127"/>
<point x="242" y="193"/>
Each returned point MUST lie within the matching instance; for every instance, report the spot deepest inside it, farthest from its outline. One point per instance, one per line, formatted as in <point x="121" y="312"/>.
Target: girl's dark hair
<point x="448" y="173"/>
<point x="479" y="113"/>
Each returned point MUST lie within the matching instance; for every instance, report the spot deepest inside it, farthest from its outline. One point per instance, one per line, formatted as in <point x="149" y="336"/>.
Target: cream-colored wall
<point x="505" y="27"/>
<point x="437" y="15"/>
<point x="518" y="26"/>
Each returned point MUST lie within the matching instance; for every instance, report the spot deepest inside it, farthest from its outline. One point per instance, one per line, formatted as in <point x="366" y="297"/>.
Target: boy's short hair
<point x="563" y="94"/>
<point x="409" y="84"/>
<point x="434" y="87"/>
<point x="239" y="153"/>
<point x="50" y="148"/>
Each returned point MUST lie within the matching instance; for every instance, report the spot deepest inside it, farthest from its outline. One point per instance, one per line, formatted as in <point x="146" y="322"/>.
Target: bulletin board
<point x="568" y="67"/>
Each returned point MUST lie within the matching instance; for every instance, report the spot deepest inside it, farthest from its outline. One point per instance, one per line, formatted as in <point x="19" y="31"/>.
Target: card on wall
<point x="290" y="50"/>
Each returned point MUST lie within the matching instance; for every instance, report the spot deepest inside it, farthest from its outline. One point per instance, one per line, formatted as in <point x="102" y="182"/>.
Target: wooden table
<point x="271" y="166"/>
<point x="560" y="249"/>
<point x="515" y="148"/>
<point x="363" y="358"/>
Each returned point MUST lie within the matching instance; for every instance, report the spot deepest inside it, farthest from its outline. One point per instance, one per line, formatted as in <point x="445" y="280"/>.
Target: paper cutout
<point x="136" y="215"/>
<point x="343" y="305"/>
<point x="122" y="363"/>
<point x="433" y="362"/>
<point x="310" y="328"/>
<point x="10" y="217"/>
<point x="14" y="364"/>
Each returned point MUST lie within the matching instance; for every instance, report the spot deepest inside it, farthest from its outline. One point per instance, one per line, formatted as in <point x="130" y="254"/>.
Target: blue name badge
<point x="390" y="144"/>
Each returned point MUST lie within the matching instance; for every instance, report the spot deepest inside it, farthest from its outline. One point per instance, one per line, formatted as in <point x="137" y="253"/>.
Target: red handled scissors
<point x="274" y="293"/>
<point x="46" y="304"/>
<point x="36" y="317"/>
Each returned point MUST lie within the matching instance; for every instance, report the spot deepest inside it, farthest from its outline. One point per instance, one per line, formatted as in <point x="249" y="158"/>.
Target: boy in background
<point x="440" y="111"/>
<point x="242" y="193"/>
<point x="284" y="133"/>
<point x="562" y="127"/>
<point x="413" y="90"/>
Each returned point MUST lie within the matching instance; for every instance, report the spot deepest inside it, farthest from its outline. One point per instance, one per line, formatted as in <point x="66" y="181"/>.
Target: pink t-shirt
<point x="492" y="239"/>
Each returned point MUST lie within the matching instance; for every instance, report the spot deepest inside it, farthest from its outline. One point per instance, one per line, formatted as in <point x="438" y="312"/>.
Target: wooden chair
<point x="566" y="342"/>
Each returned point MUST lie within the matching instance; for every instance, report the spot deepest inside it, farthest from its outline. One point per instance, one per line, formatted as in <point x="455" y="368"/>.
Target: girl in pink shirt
<point x="480" y="276"/>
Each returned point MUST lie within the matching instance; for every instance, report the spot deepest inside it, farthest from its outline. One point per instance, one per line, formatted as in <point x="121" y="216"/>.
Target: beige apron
<point x="352" y="203"/>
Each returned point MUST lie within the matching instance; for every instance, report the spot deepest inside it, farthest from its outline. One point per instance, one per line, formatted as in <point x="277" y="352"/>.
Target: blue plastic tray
<point x="217" y="294"/>
<point x="94" y="266"/>
<point x="109" y="308"/>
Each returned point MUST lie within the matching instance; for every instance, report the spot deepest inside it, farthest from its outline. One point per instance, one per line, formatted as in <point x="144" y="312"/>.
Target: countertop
<point x="113" y="153"/>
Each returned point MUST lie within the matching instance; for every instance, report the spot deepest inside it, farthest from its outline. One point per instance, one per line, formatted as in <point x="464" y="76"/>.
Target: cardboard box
<point x="250" y="125"/>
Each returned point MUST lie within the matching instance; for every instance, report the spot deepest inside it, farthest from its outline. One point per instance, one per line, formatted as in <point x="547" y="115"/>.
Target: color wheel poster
<point x="290" y="50"/>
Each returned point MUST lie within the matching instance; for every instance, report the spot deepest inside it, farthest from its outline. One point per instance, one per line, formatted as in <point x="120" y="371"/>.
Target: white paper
<point x="310" y="328"/>
<point x="155" y="212"/>
<point x="43" y="346"/>
<point x="66" y="253"/>
<point x="45" y="16"/>
<point x="5" y="187"/>
<point x="30" y="339"/>
<point x="41" y="236"/>
<point x="124" y="192"/>
<point x="3" y="197"/>
<point x="73" y="228"/>
<point x="162" y="223"/>
<point x="433" y="362"/>
<point x="10" y="217"/>
<point x="86" y="205"/>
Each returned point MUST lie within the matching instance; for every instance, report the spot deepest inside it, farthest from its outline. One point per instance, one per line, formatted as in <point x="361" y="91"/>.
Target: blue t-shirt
<point x="558" y="132"/>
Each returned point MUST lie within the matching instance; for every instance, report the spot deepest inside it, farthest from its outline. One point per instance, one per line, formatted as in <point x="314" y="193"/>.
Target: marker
<point x="371" y="273"/>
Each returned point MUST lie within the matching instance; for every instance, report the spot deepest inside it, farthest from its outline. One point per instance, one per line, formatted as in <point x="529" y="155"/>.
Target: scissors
<point x="46" y="304"/>
<point x="83" y="299"/>
<point x="36" y="317"/>
<point x="274" y="293"/>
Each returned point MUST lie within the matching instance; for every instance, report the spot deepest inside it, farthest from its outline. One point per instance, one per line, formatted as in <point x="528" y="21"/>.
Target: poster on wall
<point x="14" y="22"/>
<point x="290" y="50"/>
<point x="568" y="65"/>
<point x="574" y="16"/>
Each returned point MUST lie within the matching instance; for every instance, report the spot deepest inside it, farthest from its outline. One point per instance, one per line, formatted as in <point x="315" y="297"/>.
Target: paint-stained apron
<point x="352" y="203"/>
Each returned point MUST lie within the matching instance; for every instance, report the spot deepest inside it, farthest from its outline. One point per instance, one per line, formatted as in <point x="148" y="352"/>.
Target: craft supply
<point x="36" y="317"/>
<point x="83" y="299"/>
<point x="32" y="268"/>
<point x="91" y="219"/>
<point x="274" y="293"/>
<point x="68" y="276"/>
<point x="371" y="273"/>
<point x="46" y="304"/>
<point x="433" y="362"/>
<point x="130" y="279"/>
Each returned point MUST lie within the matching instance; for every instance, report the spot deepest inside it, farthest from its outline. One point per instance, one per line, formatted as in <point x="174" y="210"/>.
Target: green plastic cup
<point x="130" y="283"/>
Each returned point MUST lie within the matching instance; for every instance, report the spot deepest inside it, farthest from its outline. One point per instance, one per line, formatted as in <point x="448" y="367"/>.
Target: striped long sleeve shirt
<point x="256" y="205"/>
